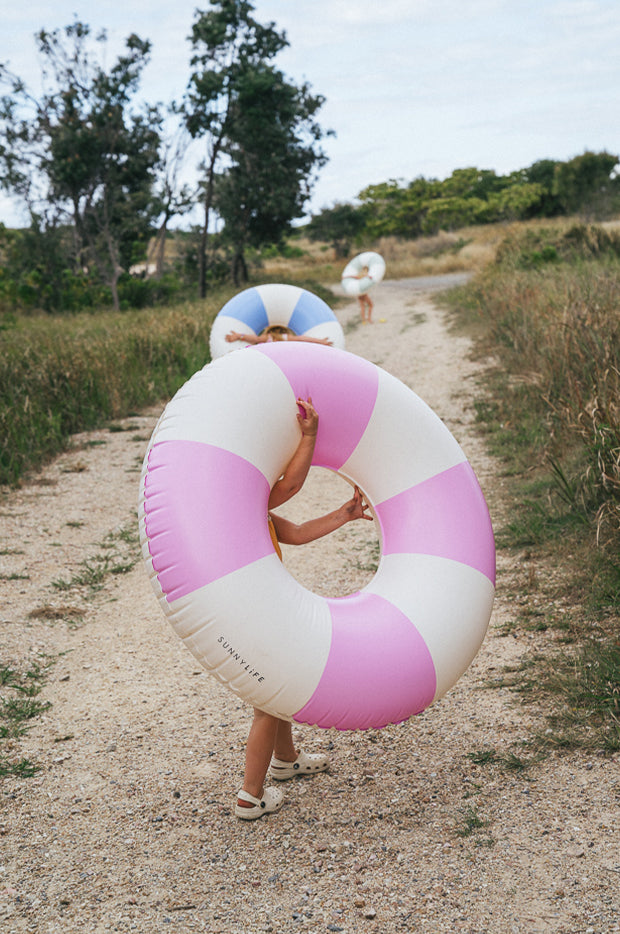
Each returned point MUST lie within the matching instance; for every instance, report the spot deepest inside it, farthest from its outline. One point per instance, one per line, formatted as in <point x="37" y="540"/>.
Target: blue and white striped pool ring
<point x="375" y="264"/>
<point x="255" y="309"/>
<point x="354" y="662"/>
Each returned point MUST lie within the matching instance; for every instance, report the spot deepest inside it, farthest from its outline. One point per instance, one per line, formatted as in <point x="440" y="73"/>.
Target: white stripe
<point x="242" y="403"/>
<point x="404" y="443"/>
<point x="258" y="622"/>
<point x="448" y="602"/>
<point x="329" y="329"/>
<point x="222" y="326"/>
<point x="279" y="300"/>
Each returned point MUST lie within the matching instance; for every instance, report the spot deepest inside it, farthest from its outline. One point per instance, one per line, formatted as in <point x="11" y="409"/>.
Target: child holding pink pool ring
<point x="270" y="745"/>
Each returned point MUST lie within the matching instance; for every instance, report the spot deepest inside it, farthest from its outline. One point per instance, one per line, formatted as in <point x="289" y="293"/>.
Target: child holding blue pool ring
<point x="275" y="332"/>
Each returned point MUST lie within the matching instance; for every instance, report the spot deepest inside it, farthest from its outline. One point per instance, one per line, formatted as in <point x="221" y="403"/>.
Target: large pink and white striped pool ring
<point x="359" y="661"/>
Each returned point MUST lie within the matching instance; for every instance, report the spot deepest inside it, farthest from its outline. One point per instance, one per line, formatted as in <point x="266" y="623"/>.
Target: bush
<point x="136" y="292"/>
<point x="535" y="247"/>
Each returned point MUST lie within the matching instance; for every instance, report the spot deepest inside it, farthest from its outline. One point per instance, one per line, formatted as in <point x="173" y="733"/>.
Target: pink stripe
<point x="205" y="513"/>
<point x="446" y="516"/>
<point x="343" y="388"/>
<point x="379" y="669"/>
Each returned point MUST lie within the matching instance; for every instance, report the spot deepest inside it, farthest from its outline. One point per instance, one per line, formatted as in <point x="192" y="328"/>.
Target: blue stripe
<point x="309" y="311"/>
<point x="248" y="307"/>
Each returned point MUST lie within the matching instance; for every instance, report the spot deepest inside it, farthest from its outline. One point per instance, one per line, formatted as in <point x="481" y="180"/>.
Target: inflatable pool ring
<point x="354" y="662"/>
<point x="351" y="281"/>
<point x="255" y="309"/>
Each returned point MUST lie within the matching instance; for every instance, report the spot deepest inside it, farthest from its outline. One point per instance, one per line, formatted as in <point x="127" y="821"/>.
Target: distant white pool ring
<point x="354" y="662"/>
<point x="373" y="262"/>
<point x="255" y="309"/>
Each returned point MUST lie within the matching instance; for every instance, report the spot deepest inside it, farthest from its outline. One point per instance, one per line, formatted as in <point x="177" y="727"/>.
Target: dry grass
<point x="466" y="250"/>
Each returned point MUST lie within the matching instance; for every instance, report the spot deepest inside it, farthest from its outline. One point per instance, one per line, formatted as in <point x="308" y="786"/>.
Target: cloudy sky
<point x="412" y="87"/>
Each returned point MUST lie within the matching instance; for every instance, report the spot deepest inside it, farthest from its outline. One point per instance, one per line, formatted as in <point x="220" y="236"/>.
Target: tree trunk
<point x="160" y="250"/>
<point x="202" y="253"/>
<point x="114" y="290"/>
<point x="240" y="268"/>
<point x="114" y="268"/>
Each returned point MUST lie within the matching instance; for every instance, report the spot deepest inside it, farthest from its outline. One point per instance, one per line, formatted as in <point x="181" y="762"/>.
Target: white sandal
<point x="306" y="763"/>
<point x="271" y="801"/>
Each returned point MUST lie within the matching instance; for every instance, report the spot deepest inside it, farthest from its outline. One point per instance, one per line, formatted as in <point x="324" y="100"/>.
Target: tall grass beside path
<point x="62" y="375"/>
<point x="546" y="313"/>
<point x="554" y="328"/>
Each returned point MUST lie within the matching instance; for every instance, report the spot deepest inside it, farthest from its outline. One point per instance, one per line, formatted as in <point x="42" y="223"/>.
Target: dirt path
<point x="128" y="826"/>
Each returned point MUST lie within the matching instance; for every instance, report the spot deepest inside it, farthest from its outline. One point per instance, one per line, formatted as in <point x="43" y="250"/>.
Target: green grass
<point x="471" y="824"/>
<point x="552" y="402"/>
<point x="549" y="408"/>
<point x="19" y="706"/>
<point x="586" y="685"/>
<point x="369" y="562"/>
<point x="483" y="756"/>
<point x="118" y="553"/>
<point x="62" y="374"/>
<point x="509" y="761"/>
<point x="71" y="615"/>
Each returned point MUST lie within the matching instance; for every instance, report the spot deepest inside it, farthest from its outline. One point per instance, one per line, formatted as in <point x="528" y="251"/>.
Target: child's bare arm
<point x="310" y="340"/>
<point x="297" y="469"/>
<point x="233" y="336"/>
<point x="289" y="533"/>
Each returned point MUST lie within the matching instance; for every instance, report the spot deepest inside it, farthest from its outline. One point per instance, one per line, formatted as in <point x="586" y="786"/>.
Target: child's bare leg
<point x="258" y="752"/>
<point x="369" y="306"/>
<point x="284" y="748"/>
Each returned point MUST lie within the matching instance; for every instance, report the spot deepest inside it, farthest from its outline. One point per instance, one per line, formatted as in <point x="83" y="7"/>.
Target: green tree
<point x="80" y="152"/>
<point x="409" y="216"/>
<point x="273" y="149"/>
<point x="340" y="225"/>
<point x="542" y="173"/>
<point x="174" y="197"/>
<point x="516" y="202"/>
<point x="381" y="204"/>
<point x="454" y="212"/>
<point x="470" y="183"/>
<point x="226" y="41"/>
<point x="393" y="209"/>
<point x="33" y="268"/>
<point x="586" y="184"/>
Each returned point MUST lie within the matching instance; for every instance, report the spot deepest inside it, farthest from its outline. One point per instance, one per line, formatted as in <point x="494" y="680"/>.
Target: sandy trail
<point x="128" y="825"/>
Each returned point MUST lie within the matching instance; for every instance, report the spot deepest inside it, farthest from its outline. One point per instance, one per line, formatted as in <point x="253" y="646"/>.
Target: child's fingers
<point x="309" y="412"/>
<point x="358" y="497"/>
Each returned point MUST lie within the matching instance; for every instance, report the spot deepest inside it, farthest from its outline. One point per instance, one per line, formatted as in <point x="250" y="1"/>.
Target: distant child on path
<point x="366" y="306"/>
<point x="364" y="299"/>
<point x="270" y="742"/>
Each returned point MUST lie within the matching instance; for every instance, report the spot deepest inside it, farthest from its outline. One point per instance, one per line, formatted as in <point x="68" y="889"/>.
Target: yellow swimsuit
<point x="274" y="537"/>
